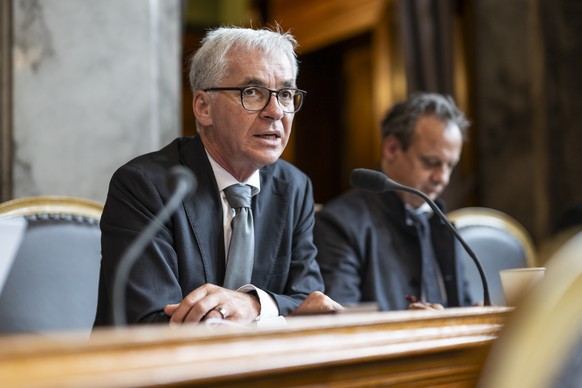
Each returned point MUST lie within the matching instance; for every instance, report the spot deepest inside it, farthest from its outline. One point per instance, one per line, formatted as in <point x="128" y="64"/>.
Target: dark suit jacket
<point x="368" y="253"/>
<point x="189" y="251"/>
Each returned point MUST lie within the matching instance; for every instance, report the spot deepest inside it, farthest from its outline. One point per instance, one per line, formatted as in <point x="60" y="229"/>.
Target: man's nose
<point x="442" y="175"/>
<point x="273" y="110"/>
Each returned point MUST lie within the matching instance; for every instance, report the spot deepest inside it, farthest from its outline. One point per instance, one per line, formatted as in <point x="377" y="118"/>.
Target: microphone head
<point x="370" y="180"/>
<point x="375" y="181"/>
<point x="181" y="175"/>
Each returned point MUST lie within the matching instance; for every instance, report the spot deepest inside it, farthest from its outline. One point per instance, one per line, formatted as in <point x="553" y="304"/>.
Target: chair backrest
<point x="53" y="282"/>
<point x="541" y="344"/>
<point x="499" y="242"/>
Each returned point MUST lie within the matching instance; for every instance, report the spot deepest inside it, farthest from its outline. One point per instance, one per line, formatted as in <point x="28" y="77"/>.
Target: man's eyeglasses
<point x="256" y="98"/>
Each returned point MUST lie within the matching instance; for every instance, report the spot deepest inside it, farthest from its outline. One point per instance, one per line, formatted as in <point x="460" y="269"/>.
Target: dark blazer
<point x="189" y="251"/>
<point x="368" y="253"/>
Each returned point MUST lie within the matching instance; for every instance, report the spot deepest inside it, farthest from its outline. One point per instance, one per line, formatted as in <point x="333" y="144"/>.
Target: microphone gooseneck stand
<point x="378" y="182"/>
<point x="183" y="182"/>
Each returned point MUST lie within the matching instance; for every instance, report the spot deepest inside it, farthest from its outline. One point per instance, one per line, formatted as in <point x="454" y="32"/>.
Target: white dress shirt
<point x="224" y="179"/>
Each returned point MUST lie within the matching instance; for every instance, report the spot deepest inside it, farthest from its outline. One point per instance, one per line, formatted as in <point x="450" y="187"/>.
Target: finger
<point x="218" y="312"/>
<point x="417" y="306"/>
<point x="170" y="308"/>
<point x="336" y="305"/>
<point x="187" y="313"/>
<point x="201" y="309"/>
<point x="190" y="308"/>
<point x="212" y="314"/>
<point x="213" y="296"/>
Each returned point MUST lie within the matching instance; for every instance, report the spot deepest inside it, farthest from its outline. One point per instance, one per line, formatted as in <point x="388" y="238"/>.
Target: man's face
<point x="429" y="161"/>
<point x="239" y="140"/>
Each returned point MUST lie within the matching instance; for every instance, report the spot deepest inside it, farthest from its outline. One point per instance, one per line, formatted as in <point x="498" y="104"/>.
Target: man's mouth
<point x="268" y="137"/>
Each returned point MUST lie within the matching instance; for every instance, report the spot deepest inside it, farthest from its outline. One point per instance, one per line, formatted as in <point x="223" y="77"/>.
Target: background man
<point x="371" y="245"/>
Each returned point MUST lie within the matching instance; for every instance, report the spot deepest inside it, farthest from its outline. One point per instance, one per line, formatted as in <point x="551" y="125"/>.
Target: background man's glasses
<point x="256" y="98"/>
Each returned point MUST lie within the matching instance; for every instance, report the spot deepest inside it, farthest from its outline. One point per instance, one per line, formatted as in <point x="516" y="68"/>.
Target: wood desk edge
<point x="198" y="354"/>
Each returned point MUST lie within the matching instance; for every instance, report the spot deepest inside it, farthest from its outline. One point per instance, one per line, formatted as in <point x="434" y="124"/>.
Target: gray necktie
<point x="432" y="286"/>
<point x="241" y="253"/>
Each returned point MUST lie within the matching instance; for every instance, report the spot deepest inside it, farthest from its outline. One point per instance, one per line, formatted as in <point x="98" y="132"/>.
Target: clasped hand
<point x="211" y="301"/>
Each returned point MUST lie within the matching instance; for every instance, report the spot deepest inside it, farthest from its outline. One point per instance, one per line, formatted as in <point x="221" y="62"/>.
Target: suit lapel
<point x="204" y="212"/>
<point x="444" y="246"/>
<point x="271" y="210"/>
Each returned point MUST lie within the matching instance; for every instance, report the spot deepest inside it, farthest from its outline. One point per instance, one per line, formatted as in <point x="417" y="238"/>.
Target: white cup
<point x="516" y="281"/>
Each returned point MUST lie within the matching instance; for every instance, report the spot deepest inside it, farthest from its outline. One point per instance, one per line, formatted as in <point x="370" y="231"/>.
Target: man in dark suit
<point x="244" y="100"/>
<point x="370" y="245"/>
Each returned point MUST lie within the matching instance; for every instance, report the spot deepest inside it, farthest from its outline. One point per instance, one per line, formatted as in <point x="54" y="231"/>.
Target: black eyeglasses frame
<point x="241" y="89"/>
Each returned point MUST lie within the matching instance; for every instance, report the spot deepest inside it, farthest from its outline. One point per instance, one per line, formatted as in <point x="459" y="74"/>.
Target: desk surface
<point x="407" y="347"/>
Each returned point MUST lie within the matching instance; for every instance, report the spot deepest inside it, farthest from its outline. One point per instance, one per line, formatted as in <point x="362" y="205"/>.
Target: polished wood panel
<point x="316" y="24"/>
<point x="420" y="348"/>
<point x="353" y="69"/>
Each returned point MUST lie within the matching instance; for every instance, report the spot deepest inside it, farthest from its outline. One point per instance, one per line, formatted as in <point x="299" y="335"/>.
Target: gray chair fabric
<point x="53" y="282"/>
<point x="498" y="241"/>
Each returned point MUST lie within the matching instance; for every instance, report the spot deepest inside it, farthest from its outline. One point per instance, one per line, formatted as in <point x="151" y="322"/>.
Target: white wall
<point x="95" y="83"/>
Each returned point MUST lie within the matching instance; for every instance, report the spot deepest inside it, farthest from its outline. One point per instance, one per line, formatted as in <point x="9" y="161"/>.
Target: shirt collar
<point x="424" y="208"/>
<point x="224" y="179"/>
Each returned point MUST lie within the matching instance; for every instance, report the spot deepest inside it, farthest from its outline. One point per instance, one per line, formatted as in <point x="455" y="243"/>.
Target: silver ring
<point x="222" y="311"/>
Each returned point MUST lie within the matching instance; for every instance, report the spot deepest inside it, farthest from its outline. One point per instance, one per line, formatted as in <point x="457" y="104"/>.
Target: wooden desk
<point x="420" y="348"/>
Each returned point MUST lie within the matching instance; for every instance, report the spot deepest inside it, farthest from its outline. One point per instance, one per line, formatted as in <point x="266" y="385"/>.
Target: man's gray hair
<point x="208" y="66"/>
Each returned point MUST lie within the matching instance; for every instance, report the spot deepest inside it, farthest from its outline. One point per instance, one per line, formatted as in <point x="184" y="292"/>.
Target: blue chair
<point x="499" y="242"/>
<point x="53" y="282"/>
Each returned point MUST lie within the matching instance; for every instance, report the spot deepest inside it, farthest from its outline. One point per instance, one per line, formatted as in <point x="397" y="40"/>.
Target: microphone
<point x="378" y="182"/>
<point x="182" y="182"/>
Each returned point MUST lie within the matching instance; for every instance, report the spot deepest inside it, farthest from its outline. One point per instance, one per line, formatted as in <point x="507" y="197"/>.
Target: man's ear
<point x="391" y="146"/>
<point x="202" y="108"/>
